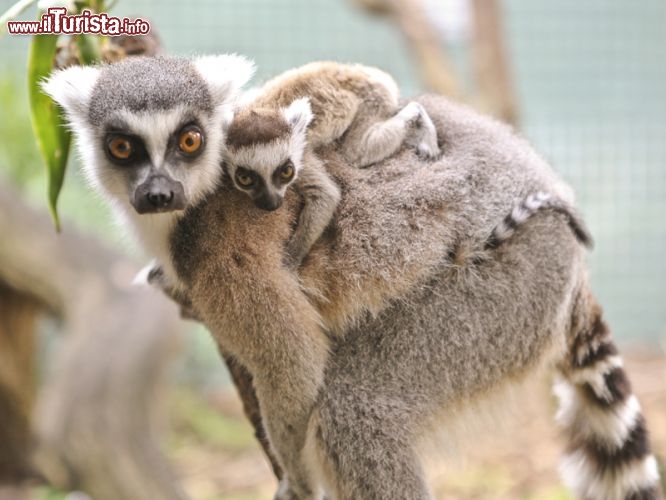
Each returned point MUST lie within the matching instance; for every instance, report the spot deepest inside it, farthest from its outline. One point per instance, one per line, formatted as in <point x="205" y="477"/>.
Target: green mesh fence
<point x="591" y="82"/>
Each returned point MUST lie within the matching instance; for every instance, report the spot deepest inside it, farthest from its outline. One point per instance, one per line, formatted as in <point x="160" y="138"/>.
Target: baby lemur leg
<point x="410" y="126"/>
<point x="321" y="196"/>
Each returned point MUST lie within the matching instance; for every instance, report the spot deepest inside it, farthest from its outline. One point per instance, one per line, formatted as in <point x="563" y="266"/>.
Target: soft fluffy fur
<point x="530" y="206"/>
<point x="306" y="108"/>
<point x="392" y="322"/>
<point x="356" y="101"/>
<point x="151" y="98"/>
<point x="418" y="327"/>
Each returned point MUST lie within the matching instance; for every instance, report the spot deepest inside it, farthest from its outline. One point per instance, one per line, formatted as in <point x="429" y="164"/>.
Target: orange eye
<point x="190" y="141"/>
<point x="120" y="148"/>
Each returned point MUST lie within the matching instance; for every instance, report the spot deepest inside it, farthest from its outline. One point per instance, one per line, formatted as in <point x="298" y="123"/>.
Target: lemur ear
<point x="72" y="89"/>
<point x="225" y="74"/>
<point x="298" y="114"/>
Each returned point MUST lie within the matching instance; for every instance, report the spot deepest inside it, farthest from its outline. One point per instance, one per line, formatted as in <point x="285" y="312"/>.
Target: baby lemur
<point x="307" y="108"/>
<point x="386" y="329"/>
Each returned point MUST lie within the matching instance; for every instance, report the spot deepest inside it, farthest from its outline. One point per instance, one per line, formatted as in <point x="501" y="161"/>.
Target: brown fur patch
<point x="256" y="127"/>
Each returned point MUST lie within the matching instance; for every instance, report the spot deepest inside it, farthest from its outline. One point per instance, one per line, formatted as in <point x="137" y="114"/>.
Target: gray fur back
<point x="419" y="327"/>
<point x="405" y="219"/>
<point x="464" y="326"/>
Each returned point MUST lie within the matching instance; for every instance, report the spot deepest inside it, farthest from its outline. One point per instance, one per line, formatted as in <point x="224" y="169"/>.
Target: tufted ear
<point x="225" y="74"/>
<point x="298" y="114"/>
<point x="72" y="89"/>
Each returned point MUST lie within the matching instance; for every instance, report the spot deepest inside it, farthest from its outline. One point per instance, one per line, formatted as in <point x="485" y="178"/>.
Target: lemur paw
<point x="292" y="263"/>
<point x="413" y="114"/>
<point x="151" y="274"/>
<point x="423" y="135"/>
<point x="284" y="492"/>
<point x="427" y="151"/>
<point x="293" y="258"/>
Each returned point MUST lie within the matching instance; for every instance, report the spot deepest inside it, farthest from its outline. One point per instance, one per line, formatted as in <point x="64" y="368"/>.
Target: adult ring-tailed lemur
<point x="422" y="298"/>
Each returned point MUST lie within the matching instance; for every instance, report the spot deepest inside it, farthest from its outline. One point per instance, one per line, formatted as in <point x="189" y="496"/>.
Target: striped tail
<point x="608" y="455"/>
<point x="532" y="204"/>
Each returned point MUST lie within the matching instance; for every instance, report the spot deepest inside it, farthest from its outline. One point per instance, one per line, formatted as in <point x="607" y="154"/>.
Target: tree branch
<point x="491" y="63"/>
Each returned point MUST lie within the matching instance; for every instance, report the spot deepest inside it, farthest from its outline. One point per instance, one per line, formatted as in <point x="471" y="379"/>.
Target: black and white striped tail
<point x="608" y="455"/>
<point x="532" y="204"/>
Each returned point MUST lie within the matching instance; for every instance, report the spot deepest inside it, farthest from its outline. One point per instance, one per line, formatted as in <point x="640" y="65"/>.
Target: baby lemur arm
<point x="321" y="196"/>
<point x="370" y="141"/>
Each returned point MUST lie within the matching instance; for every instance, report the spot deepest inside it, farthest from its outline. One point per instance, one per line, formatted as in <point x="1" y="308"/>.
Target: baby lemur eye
<point x="190" y="140"/>
<point x="245" y="178"/>
<point x="286" y="171"/>
<point x="120" y="147"/>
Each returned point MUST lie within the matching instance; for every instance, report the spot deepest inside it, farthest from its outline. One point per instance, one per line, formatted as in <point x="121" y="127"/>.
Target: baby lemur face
<point x="265" y="151"/>
<point x="150" y="130"/>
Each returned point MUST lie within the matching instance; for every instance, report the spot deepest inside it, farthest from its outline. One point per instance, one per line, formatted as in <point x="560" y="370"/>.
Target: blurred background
<point x="585" y="82"/>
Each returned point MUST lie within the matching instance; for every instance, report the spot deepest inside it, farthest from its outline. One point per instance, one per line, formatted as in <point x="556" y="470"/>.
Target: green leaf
<point x="88" y="45"/>
<point x="52" y="137"/>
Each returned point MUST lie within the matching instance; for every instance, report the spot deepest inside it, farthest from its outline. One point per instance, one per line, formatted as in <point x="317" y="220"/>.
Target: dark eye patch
<point x="131" y="143"/>
<point x="247" y="179"/>
<point x="284" y="174"/>
<point x="174" y="139"/>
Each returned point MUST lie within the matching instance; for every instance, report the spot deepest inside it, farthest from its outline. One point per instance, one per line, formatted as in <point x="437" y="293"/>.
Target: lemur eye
<point x="287" y="171"/>
<point x="245" y="180"/>
<point x="120" y="148"/>
<point x="190" y="140"/>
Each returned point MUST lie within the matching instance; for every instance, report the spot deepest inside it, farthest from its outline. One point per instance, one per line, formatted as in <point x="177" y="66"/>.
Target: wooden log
<point x="18" y="313"/>
<point x="99" y="416"/>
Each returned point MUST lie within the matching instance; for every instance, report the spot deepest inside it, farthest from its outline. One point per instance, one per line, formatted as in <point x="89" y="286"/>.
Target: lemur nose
<point x="159" y="193"/>
<point x="159" y="198"/>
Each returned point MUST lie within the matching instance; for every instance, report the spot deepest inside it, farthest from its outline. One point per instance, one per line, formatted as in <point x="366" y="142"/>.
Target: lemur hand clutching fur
<point x="271" y="143"/>
<point x="420" y="329"/>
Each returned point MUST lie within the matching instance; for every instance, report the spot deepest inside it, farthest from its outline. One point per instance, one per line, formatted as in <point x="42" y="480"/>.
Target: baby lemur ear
<point x="225" y="75"/>
<point x="72" y="89"/>
<point x="298" y="114"/>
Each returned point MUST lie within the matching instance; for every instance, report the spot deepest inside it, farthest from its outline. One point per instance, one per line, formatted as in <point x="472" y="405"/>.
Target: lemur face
<point x="264" y="171"/>
<point x="150" y="130"/>
<point x="152" y="165"/>
<point x="267" y="191"/>
<point x="265" y="151"/>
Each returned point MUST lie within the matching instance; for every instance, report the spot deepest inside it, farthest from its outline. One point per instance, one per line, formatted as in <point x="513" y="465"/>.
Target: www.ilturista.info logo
<point x="56" y="21"/>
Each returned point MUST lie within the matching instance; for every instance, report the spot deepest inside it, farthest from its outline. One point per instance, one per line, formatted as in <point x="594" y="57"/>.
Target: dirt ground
<point x="218" y="459"/>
